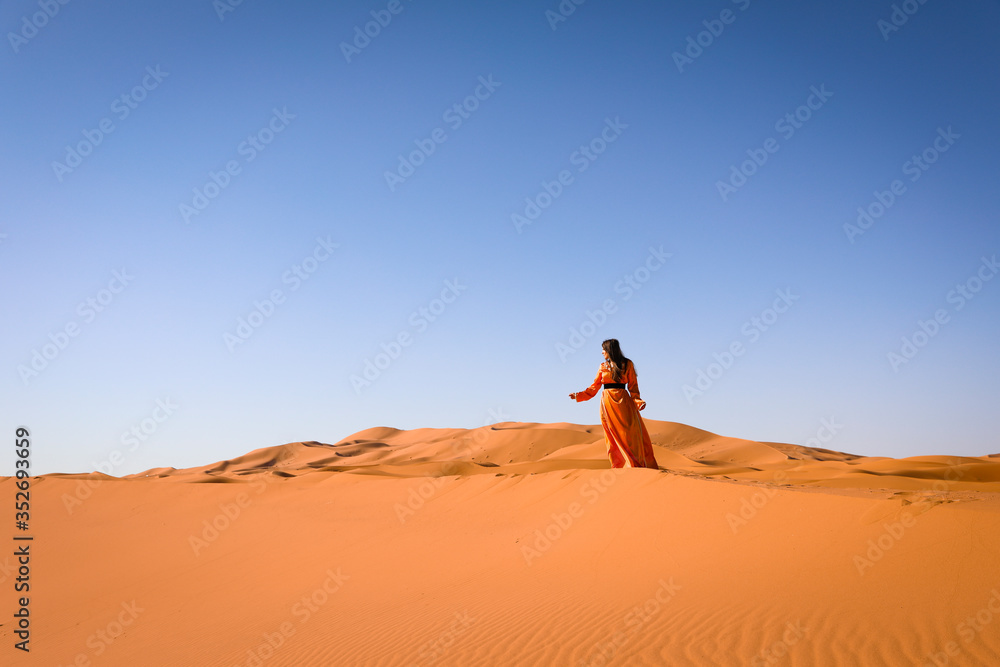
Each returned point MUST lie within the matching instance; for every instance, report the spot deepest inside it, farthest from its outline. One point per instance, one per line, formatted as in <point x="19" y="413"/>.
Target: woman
<point x="628" y="441"/>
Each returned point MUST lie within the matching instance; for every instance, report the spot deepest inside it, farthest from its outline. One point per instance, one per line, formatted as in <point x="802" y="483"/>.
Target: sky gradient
<point x="214" y="222"/>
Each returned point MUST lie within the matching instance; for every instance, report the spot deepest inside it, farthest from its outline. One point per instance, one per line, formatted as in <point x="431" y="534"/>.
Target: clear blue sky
<point x="308" y="129"/>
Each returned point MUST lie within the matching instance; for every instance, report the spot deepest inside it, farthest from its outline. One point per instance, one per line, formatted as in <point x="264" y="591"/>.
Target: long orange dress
<point x="625" y="433"/>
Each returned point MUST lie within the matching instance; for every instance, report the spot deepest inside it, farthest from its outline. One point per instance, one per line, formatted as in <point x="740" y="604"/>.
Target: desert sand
<point x="516" y="544"/>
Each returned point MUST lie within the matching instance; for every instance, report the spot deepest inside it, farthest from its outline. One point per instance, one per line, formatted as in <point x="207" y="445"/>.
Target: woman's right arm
<point x="592" y="390"/>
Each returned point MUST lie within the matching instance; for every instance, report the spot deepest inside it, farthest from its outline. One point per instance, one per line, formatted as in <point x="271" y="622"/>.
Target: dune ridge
<point x="524" y="448"/>
<point x="516" y="544"/>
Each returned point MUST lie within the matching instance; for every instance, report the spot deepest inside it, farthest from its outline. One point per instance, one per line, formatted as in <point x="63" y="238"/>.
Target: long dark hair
<point x="619" y="362"/>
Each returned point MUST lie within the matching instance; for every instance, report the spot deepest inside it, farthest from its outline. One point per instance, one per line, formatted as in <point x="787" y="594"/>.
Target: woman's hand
<point x="573" y="395"/>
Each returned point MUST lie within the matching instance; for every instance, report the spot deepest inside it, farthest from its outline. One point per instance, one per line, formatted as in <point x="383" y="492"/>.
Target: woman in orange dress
<point x="625" y="433"/>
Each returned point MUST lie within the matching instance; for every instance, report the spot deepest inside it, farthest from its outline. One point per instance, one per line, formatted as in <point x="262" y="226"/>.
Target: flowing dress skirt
<point x="625" y="433"/>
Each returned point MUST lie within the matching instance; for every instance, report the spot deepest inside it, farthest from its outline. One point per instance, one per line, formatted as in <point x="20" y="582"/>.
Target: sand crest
<point x="516" y="544"/>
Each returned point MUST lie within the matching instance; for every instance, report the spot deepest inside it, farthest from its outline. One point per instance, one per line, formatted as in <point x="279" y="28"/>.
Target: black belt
<point x="614" y="385"/>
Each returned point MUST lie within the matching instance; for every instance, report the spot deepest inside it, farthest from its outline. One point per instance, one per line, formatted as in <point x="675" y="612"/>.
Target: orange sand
<point x="516" y="544"/>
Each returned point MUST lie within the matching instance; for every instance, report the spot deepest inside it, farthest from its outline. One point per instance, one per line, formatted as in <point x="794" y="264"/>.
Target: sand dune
<point x="516" y="544"/>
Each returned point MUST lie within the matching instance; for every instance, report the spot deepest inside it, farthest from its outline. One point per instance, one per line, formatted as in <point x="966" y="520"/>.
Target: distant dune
<point x="516" y="544"/>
